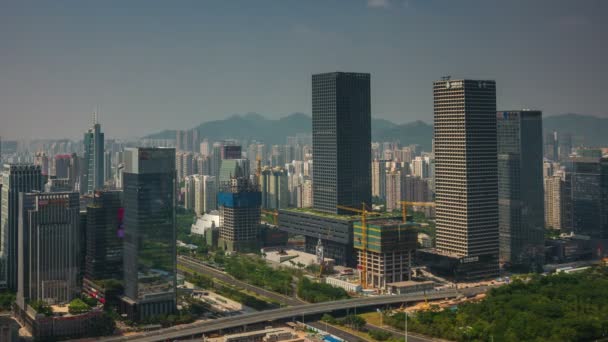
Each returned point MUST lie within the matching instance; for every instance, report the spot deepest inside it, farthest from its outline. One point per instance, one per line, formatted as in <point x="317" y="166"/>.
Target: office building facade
<point x="341" y="129"/>
<point x="104" y="236"/>
<point x="466" y="179"/>
<point x="49" y="253"/>
<point x="93" y="177"/>
<point x="520" y="187"/>
<point x="16" y="178"/>
<point x="150" y="233"/>
<point x="589" y="191"/>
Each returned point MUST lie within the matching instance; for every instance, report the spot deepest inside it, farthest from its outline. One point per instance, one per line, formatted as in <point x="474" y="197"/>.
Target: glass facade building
<point x="93" y="177"/>
<point x="16" y="178"/>
<point x="520" y="187"/>
<point x="104" y="236"/>
<point x="589" y="196"/>
<point x="149" y="232"/>
<point x="341" y="134"/>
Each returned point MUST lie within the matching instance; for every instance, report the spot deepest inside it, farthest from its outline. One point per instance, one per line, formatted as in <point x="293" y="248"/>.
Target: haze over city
<point x="304" y="171"/>
<point x="151" y="65"/>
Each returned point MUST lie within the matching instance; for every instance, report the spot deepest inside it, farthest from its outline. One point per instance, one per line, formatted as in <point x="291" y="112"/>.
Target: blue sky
<point x="173" y="64"/>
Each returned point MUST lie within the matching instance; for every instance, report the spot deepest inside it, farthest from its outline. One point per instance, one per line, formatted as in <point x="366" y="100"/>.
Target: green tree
<point x="78" y="306"/>
<point x="42" y="307"/>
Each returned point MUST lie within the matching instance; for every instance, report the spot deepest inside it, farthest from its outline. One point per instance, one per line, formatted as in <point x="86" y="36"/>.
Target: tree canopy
<point x="561" y="307"/>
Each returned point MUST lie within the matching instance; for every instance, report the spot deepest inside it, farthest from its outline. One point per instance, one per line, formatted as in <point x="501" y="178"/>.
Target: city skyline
<point x="174" y="68"/>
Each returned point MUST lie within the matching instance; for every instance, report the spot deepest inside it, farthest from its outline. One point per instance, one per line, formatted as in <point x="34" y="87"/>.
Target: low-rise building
<point x="408" y="286"/>
<point x="346" y="283"/>
<point x="294" y="258"/>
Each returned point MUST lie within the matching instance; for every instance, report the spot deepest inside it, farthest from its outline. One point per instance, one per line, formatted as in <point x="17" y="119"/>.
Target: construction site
<point x="384" y="251"/>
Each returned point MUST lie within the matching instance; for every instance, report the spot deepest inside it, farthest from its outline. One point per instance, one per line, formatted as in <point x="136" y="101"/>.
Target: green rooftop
<point x="354" y="217"/>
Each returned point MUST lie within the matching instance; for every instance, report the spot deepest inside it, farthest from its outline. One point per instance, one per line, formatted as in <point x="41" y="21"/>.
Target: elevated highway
<point x="300" y="312"/>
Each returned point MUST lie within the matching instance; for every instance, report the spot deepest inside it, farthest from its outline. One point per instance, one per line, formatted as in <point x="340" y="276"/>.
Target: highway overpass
<point x="300" y="313"/>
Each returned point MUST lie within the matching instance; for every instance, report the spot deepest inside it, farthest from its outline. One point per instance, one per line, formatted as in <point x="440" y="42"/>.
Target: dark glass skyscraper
<point x="150" y="236"/>
<point x="93" y="177"/>
<point x="589" y="196"/>
<point x="16" y="178"/>
<point x="104" y="236"/>
<point x="341" y="134"/>
<point x="520" y="186"/>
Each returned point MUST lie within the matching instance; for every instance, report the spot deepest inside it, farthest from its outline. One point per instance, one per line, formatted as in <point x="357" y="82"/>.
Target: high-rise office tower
<point x="190" y="193"/>
<point x="231" y="152"/>
<point x="589" y="196"/>
<point x="205" y="194"/>
<point x="379" y="178"/>
<point x="216" y="159"/>
<point x="16" y="178"/>
<point x="42" y="160"/>
<point x="520" y="187"/>
<point x="49" y="253"/>
<point x="393" y="190"/>
<point x="104" y="236"/>
<point x="150" y="235"/>
<point x="415" y="189"/>
<point x="184" y="164"/>
<point x="62" y="165"/>
<point x="274" y="188"/>
<point x="466" y="182"/>
<point x="341" y="129"/>
<point x="239" y="203"/>
<point x="233" y="168"/>
<point x="205" y="148"/>
<point x="93" y="159"/>
<point x="554" y="202"/>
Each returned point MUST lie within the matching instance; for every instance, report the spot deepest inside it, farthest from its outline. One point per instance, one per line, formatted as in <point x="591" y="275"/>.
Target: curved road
<point x="201" y="268"/>
<point x="287" y="313"/>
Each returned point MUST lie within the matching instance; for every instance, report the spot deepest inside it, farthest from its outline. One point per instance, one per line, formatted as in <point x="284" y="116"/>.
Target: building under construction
<point x="384" y="250"/>
<point x="239" y="201"/>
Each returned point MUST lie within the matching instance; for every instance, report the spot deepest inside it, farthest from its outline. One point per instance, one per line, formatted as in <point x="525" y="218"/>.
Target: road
<point x="199" y="267"/>
<point x="411" y="337"/>
<point x="345" y="335"/>
<point x="287" y="313"/>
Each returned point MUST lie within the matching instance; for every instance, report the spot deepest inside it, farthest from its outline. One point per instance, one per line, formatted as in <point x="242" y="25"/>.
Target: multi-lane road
<point x="288" y="313"/>
<point x="201" y="268"/>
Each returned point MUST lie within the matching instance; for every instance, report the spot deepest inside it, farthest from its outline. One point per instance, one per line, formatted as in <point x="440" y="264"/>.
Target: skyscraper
<point x="274" y="188"/>
<point x="393" y="190"/>
<point x="589" y="196"/>
<point x="239" y="202"/>
<point x="93" y="159"/>
<point x="466" y="182"/>
<point x="520" y="187"/>
<point x="150" y="236"/>
<point x="341" y="129"/>
<point x="49" y="253"/>
<point x="104" y="236"/>
<point x="379" y="178"/>
<point x="16" y="178"/>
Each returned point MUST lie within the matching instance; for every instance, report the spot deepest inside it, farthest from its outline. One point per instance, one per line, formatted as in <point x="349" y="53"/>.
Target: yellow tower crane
<point x="363" y="212"/>
<point x="405" y="204"/>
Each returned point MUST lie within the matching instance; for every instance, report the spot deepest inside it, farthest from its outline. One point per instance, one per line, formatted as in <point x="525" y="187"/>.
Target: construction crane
<point x="363" y="212"/>
<point x="405" y="204"/>
<point x="274" y="213"/>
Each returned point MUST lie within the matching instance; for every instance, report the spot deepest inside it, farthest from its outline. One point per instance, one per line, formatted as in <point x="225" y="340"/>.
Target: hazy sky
<point x="173" y="64"/>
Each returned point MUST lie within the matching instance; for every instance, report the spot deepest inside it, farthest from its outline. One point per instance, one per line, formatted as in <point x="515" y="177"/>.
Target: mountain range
<point x="586" y="130"/>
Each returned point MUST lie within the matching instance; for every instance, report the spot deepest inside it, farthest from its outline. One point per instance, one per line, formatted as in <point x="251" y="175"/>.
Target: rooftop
<point x="374" y="215"/>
